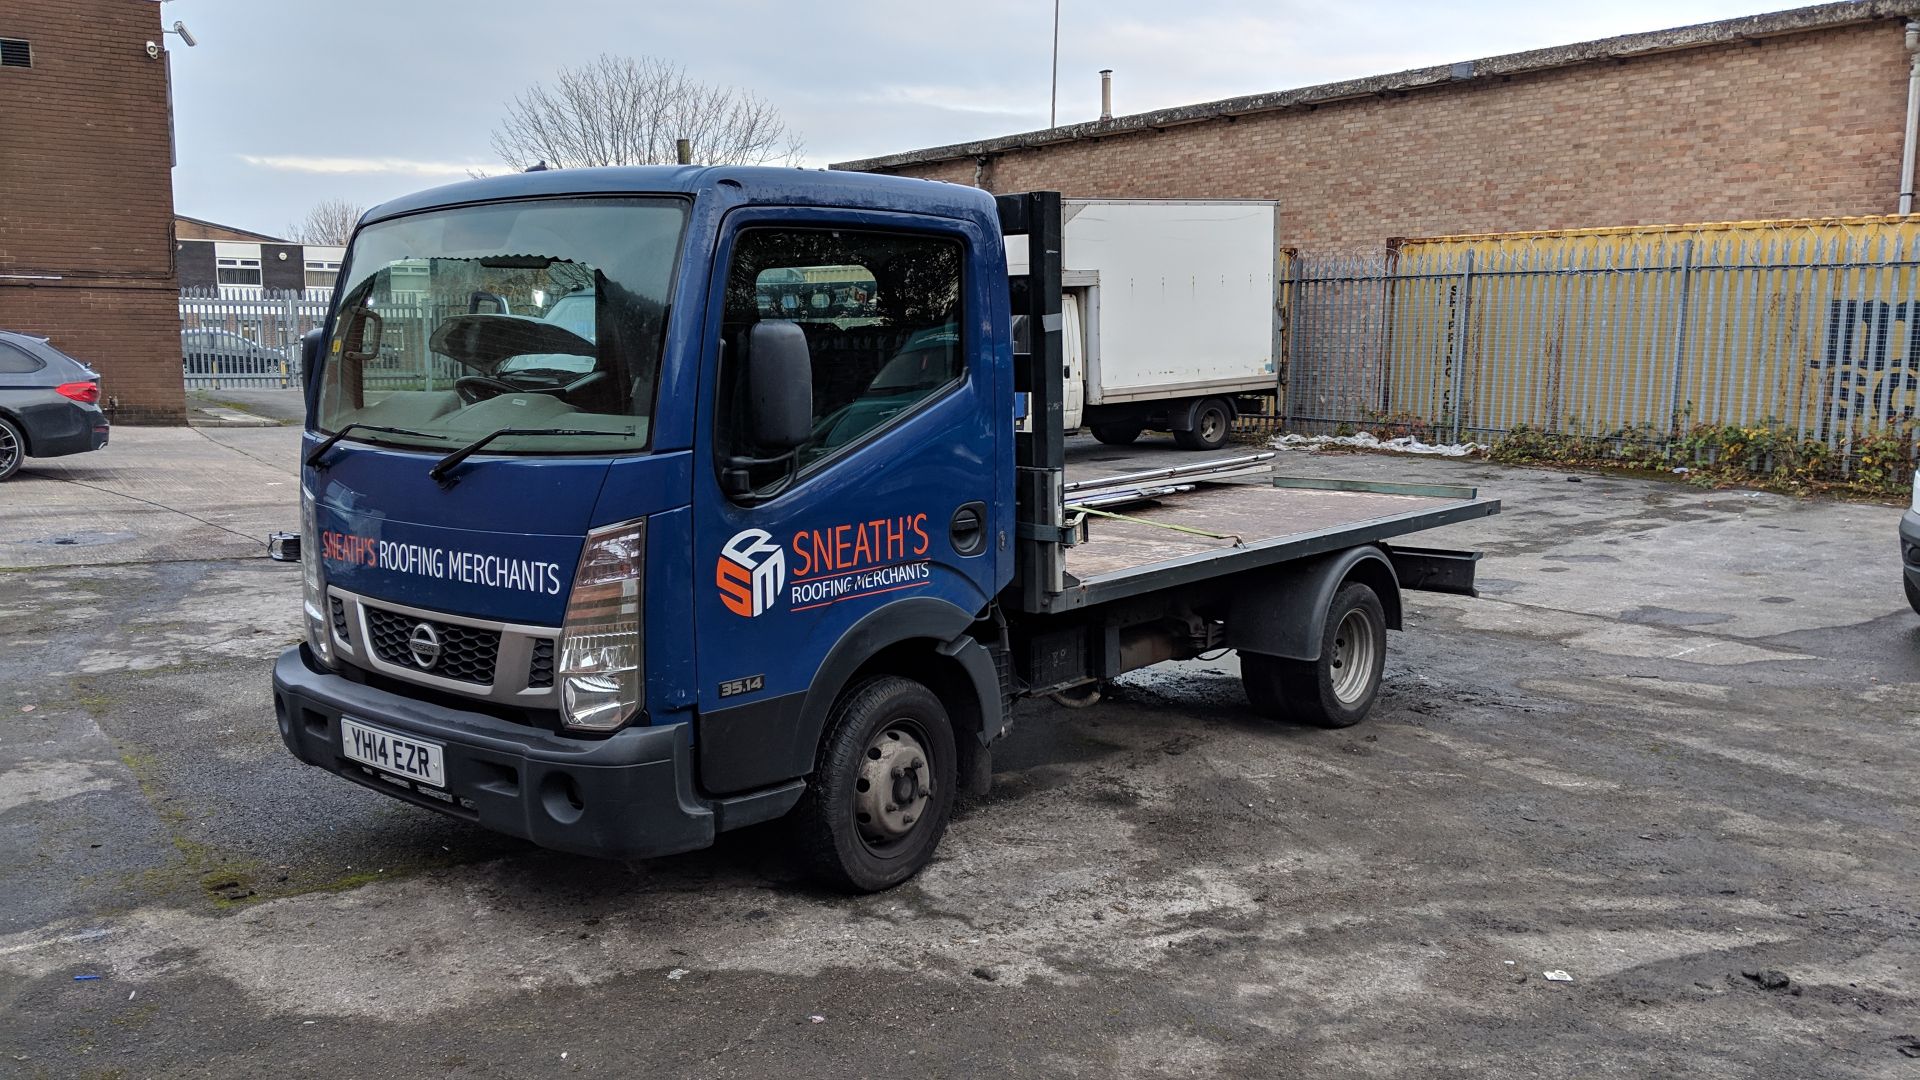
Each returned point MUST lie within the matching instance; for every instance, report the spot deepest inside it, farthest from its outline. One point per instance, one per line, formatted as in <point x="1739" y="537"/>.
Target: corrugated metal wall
<point x="1801" y="323"/>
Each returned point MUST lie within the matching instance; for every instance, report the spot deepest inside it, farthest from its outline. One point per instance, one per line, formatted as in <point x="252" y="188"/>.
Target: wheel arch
<point x="1283" y="612"/>
<point x="26" y="437"/>
<point x="920" y="638"/>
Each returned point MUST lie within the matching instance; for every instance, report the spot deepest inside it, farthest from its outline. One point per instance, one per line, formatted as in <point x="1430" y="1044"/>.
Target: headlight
<point x="600" y="643"/>
<point x="319" y="632"/>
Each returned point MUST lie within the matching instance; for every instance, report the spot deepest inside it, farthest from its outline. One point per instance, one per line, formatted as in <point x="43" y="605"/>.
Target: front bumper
<point x="1910" y="545"/>
<point x="628" y="796"/>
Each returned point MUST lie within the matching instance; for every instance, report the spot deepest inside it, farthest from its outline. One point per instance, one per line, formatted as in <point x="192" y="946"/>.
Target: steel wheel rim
<point x="9" y="448"/>
<point x="1353" y="651"/>
<point x="1210" y="424"/>
<point x="894" y="789"/>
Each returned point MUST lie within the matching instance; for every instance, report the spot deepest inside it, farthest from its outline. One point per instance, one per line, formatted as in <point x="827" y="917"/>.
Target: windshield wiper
<point x="445" y="465"/>
<point x="328" y="444"/>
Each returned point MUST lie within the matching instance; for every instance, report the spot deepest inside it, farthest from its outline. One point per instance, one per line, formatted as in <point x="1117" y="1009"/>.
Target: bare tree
<point x="330" y="221"/>
<point x="620" y="110"/>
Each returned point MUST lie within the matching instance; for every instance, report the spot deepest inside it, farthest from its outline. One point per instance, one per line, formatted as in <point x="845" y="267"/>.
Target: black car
<point x="49" y="403"/>
<point x="1910" y="547"/>
<point x="206" y="351"/>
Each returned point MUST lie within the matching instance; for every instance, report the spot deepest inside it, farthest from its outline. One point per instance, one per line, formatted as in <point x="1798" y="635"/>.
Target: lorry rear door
<point x="884" y="517"/>
<point x="1074" y="356"/>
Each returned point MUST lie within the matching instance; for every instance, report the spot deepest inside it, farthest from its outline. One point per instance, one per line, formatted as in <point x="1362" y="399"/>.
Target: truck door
<point x="885" y="517"/>
<point x="1074" y="353"/>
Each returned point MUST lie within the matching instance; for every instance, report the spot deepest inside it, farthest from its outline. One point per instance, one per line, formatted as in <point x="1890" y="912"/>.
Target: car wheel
<point x="882" y="790"/>
<point x="13" y="448"/>
<point x="1913" y="594"/>
<point x="1336" y="690"/>
<point x="1212" y="419"/>
<point x="1116" y="434"/>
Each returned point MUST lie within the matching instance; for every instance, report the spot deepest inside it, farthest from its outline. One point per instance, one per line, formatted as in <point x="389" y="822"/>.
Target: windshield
<point x="543" y="316"/>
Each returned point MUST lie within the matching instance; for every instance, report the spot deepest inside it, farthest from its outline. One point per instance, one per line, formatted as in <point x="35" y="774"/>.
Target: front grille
<point x="340" y="618"/>
<point x="540" y="668"/>
<point x="467" y="653"/>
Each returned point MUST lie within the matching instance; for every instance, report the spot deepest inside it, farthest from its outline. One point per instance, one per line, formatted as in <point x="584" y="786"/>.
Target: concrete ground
<point x="1671" y="745"/>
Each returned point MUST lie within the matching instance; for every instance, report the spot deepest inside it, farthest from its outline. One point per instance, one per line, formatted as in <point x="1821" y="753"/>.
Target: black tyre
<point x="882" y="789"/>
<point x="1913" y="594"/>
<point x="1117" y="434"/>
<point x="13" y="448"/>
<point x="1212" y="420"/>
<point x="1336" y="690"/>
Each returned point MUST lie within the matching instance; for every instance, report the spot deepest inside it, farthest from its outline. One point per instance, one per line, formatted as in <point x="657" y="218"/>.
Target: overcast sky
<point x="281" y="105"/>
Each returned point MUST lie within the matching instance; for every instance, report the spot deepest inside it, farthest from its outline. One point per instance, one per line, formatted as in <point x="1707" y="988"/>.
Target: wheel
<point x="882" y="789"/>
<point x="1913" y="594"/>
<point x="474" y="389"/>
<point x="1338" y="689"/>
<point x="13" y="448"/>
<point x="1116" y="434"/>
<point x="1211" y="421"/>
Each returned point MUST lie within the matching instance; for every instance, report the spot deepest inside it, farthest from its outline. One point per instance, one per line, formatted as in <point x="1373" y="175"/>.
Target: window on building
<point x="15" y="53"/>
<point x="238" y="271"/>
<point x="321" y="274"/>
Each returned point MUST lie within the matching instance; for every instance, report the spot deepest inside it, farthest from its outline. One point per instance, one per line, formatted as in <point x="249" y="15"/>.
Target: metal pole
<point x="1680" y="337"/>
<point x="1465" y="309"/>
<point x="1053" y="101"/>
<point x="1913" y="111"/>
<point x="683" y="151"/>
<point x="290" y="335"/>
<point x="1290" y="313"/>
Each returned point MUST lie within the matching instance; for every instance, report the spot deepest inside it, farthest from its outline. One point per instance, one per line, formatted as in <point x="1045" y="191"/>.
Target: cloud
<point x="958" y="99"/>
<point x="353" y="165"/>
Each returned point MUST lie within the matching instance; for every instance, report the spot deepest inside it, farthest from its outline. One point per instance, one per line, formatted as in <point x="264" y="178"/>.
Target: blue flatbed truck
<point x="642" y="504"/>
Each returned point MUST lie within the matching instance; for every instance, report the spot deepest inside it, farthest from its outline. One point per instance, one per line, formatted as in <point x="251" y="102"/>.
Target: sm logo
<point x="750" y="571"/>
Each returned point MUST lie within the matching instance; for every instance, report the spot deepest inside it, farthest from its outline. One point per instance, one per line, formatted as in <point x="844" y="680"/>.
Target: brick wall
<point x="1799" y="125"/>
<point x="86" y="197"/>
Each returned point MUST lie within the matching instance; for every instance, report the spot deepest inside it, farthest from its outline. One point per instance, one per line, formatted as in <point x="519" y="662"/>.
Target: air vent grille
<point x="15" y="53"/>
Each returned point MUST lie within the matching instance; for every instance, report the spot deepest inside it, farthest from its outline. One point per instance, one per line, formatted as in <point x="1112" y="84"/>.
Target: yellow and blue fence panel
<point x="1809" y="324"/>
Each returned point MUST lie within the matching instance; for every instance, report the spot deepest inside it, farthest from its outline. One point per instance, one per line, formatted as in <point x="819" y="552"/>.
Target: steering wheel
<point x="474" y="389"/>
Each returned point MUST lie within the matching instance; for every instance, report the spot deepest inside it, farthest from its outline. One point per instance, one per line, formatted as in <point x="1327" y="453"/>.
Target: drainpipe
<point x="1106" y="82"/>
<point x="1913" y="113"/>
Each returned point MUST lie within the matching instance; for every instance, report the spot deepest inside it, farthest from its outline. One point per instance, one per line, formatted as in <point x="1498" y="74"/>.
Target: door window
<point x="881" y="314"/>
<point x="14" y="361"/>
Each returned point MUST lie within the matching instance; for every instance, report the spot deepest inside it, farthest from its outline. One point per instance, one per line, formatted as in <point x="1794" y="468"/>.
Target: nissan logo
<point x="424" y="644"/>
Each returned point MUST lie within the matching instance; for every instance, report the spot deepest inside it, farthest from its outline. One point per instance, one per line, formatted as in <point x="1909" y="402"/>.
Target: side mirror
<point x="310" y="345"/>
<point x="363" y="336"/>
<point x="779" y="374"/>
<point x="480" y="300"/>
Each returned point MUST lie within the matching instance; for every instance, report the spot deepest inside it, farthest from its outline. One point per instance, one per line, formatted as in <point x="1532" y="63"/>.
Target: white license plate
<point x="396" y="754"/>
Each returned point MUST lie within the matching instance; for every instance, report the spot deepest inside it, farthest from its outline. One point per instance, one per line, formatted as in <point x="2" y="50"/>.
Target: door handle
<point x="968" y="531"/>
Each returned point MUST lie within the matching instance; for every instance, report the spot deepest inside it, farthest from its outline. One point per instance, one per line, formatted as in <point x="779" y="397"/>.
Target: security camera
<point x="181" y="29"/>
<point x="153" y="50"/>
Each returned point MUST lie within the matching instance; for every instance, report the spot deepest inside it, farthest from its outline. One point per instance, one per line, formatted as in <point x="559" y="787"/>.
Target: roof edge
<point x="1700" y="35"/>
<point x="260" y="236"/>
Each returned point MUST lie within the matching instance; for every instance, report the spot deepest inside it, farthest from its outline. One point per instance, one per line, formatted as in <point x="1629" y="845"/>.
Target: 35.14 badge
<point x="747" y="685"/>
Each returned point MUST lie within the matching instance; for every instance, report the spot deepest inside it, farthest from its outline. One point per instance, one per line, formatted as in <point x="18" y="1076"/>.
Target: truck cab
<point x="708" y="503"/>
<point x="642" y="504"/>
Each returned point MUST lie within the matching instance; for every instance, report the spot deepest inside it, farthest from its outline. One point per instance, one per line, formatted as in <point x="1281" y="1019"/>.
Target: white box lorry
<point x="1169" y="315"/>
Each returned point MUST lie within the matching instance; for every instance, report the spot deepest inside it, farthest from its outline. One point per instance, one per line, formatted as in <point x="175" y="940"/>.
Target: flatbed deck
<point x="1251" y="525"/>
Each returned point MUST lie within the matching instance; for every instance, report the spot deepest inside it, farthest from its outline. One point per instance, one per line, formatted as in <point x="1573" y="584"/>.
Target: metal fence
<point x="1810" y="326"/>
<point x="254" y="342"/>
